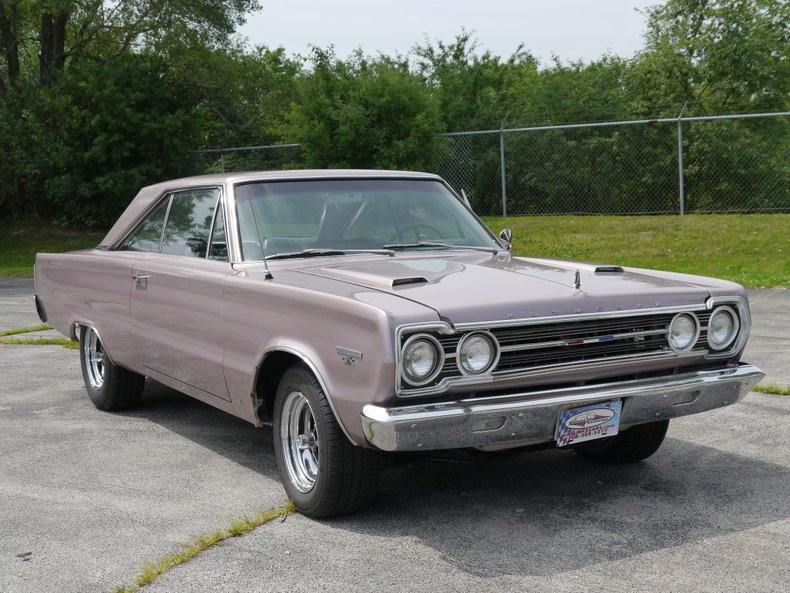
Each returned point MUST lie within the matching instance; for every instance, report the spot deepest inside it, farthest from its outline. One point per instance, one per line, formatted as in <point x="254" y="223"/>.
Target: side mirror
<point x="506" y="238"/>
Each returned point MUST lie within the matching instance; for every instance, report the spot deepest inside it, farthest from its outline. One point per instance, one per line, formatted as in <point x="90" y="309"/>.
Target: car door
<point x="176" y="294"/>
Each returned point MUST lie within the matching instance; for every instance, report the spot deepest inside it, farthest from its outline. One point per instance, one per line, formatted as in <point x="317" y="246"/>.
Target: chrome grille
<point x="533" y="346"/>
<point x="562" y="343"/>
<point x="555" y="343"/>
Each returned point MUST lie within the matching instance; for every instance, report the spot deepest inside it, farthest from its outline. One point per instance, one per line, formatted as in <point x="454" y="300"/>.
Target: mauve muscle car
<point x="362" y="312"/>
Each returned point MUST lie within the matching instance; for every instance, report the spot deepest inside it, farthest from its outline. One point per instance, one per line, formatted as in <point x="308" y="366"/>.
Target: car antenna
<point x="268" y="274"/>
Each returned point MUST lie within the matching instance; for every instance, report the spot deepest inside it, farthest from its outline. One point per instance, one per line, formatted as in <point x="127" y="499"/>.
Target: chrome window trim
<point x="442" y="327"/>
<point x="134" y="227"/>
<point x="217" y="205"/>
<point x="164" y="223"/>
<point x="235" y="186"/>
<point x="173" y="194"/>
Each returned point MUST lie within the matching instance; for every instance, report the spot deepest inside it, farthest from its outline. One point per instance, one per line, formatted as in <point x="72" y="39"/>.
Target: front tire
<point x="322" y="472"/>
<point x="631" y="445"/>
<point x="110" y="387"/>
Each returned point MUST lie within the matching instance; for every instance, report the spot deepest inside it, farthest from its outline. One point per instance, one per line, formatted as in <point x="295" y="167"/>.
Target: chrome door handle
<point x="140" y="277"/>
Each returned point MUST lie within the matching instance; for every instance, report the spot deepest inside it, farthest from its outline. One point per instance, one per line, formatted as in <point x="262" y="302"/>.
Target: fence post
<point x="502" y="171"/>
<point x="681" y="184"/>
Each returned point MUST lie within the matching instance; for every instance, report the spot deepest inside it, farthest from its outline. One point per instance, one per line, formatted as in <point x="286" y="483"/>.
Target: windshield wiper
<point x="414" y="244"/>
<point x="327" y="252"/>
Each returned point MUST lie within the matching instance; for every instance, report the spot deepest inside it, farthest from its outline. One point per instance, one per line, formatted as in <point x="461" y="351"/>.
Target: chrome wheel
<point x="93" y="352"/>
<point x="322" y="472"/>
<point x="299" y="439"/>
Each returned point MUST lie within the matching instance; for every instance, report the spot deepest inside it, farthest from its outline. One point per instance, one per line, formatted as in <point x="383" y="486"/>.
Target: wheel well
<point x="270" y="372"/>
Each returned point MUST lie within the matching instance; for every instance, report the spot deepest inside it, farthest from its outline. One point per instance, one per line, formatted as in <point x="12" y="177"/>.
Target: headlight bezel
<point x="736" y="328"/>
<point x="695" y="335"/>
<point x="493" y="360"/>
<point x="437" y="364"/>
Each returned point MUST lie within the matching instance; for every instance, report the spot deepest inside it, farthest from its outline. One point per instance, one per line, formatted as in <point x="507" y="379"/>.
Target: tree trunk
<point x="52" y="36"/>
<point x="9" y="15"/>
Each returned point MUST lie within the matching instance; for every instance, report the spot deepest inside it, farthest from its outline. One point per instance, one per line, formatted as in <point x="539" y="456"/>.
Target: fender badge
<point x="349" y="357"/>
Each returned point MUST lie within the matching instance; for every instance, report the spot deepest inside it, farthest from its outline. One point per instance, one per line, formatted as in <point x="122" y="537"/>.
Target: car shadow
<point x="536" y="514"/>
<point x="229" y="436"/>
<point x="550" y="511"/>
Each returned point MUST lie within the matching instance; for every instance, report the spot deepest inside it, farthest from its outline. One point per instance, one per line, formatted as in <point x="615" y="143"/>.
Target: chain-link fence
<point x="664" y="166"/>
<point x="733" y="163"/>
<point x="271" y="157"/>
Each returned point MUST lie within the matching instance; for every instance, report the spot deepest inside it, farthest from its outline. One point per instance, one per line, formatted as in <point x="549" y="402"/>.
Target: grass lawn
<point x="20" y="243"/>
<point x="751" y="249"/>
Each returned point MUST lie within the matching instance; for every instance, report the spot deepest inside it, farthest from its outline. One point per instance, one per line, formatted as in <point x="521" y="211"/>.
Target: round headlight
<point x="422" y="359"/>
<point x="477" y="353"/>
<point x="683" y="332"/>
<point x="722" y="328"/>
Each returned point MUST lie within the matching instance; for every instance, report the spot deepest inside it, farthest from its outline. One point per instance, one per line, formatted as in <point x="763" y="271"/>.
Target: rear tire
<point x="322" y="472"/>
<point x="110" y="387"/>
<point x="631" y="445"/>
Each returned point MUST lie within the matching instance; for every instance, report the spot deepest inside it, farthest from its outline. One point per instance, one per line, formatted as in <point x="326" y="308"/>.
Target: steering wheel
<point x="432" y="230"/>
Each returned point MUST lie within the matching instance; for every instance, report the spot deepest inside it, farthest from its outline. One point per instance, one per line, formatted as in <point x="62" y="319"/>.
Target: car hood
<point x="475" y="287"/>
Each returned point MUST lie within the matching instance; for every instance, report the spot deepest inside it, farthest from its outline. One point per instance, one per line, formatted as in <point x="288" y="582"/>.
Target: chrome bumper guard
<point x="531" y="418"/>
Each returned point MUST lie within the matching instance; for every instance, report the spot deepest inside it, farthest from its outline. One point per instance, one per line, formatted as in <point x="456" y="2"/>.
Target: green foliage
<point x="717" y="55"/>
<point x="243" y="96"/>
<point x="153" y="570"/>
<point x="702" y="57"/>
<point x="25" y="330"/>
<point x="363" y="113"/>
<point x="115" y="128"/>
<point x="65" y="342"/>
<point x="772" y="389"/>
<point x="471" y="87"/>
<point x="97" y="99"/>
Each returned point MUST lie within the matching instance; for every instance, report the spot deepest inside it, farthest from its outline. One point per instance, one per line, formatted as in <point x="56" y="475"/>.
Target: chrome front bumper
<point x="531" y="418"/>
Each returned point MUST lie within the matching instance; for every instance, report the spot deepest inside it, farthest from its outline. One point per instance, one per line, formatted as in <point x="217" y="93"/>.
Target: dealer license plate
<point x="585" y="423"/>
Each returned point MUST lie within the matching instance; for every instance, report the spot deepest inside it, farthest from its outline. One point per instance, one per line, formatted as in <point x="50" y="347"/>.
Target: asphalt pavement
<point x="87" y="498"/>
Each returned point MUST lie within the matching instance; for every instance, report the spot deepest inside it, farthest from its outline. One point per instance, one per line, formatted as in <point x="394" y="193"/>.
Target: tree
<point x="363" y="112"/>
<point x="119" y="126"/>
<point x="49" y="34"/>
<point x="41" y="41"/>
<point x="472" y="87"/>
<point x="716" y="55"/>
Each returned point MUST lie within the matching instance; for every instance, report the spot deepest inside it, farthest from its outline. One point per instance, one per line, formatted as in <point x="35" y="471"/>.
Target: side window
<point x="149" y="235"/>
<point x="189" y="222"/>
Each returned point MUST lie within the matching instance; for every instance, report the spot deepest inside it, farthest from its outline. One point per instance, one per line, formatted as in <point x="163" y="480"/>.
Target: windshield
<point x="351" y="215"/>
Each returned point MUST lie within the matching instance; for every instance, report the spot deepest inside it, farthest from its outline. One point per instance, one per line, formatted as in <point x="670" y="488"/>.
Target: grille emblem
<point x="589" y="341"/>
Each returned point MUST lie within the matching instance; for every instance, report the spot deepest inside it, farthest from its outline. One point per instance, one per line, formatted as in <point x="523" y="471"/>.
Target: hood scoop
<point x="573" y="266"/>
<point x="408" y="280"/>
<point x="382" y="275"/>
